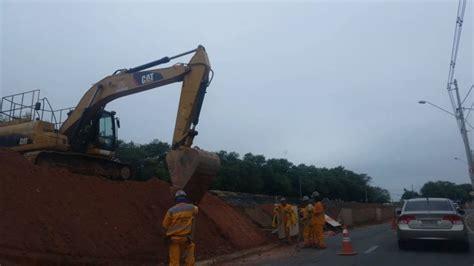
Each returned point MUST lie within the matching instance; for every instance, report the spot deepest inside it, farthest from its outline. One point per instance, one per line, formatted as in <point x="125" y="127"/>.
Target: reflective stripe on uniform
<point x="179" y="219"/>
<point x="177" y="228"/>
<point x="181" y="208"/>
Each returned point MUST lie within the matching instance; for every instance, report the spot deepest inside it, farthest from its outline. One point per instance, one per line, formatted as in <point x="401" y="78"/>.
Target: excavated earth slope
<point x="53" y="216"/>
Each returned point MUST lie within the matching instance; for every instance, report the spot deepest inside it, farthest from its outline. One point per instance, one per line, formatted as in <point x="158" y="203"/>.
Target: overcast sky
<point x="324" y="83"/>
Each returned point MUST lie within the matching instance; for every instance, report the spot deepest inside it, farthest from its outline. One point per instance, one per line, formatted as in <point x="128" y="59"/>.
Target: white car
<point x="431" y="219"/>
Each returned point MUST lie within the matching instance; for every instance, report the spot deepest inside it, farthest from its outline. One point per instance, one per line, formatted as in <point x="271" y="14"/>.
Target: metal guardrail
<point x="28" y="106"/>
<point x="18" y="106"/>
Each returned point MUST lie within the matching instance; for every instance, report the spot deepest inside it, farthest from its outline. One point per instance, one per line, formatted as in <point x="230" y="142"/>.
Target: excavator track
<point x="82" y="164"/>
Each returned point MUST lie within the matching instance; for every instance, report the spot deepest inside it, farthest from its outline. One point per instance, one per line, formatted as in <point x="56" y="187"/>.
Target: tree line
<point x="441" y="189"/>
<point x="258" y="175"/>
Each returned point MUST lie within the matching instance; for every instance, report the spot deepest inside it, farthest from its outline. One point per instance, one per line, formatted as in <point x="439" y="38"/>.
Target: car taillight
<point x="454" y="219"/>
<point x="405" y="219"/>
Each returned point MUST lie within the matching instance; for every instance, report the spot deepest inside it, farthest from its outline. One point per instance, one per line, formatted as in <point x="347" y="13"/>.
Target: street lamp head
<point x="421" y="102"/>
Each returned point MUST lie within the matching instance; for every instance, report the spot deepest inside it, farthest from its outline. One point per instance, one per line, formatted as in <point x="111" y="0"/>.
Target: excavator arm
<point x="195" y="79"/>
<point x="190" y="169"/>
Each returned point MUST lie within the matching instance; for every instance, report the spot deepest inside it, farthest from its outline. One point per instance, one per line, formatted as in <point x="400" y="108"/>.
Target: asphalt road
<point x="376" y="245"/>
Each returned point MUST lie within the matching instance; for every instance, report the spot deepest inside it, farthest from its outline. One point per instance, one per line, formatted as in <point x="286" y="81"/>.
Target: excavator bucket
<point x="192" y="170"/>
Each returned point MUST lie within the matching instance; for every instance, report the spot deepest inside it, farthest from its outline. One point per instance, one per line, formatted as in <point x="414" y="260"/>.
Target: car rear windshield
<point x="428" y="205"/>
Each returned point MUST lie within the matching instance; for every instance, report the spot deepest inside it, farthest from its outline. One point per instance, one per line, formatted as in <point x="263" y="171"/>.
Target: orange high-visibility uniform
<point x="309" y="235"/>
<point x="178" y="223"/>
<point x="318" y="221"/>
<point x="286" y="215"/>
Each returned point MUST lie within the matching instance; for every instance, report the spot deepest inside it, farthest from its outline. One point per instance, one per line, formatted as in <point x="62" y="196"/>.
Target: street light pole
<point x="459" y="116"/>
<point x="455" y="99"/>
<point x="465" y="138"/>
<point x="437" y="107"/>
<point x="459" y="159"/>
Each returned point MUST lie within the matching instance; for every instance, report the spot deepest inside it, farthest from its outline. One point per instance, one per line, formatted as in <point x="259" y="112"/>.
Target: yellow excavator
<point x="86" y="141"/>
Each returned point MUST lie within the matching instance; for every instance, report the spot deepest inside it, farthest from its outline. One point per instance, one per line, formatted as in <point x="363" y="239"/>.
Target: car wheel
<point x="402" y="244"/>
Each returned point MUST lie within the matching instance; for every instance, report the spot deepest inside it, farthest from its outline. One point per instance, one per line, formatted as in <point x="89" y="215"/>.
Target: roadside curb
<point x="235" y="255"/>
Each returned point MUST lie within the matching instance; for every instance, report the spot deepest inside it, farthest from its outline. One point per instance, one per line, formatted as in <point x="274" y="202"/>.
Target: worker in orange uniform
<point x="319" y="220"/>
<point x="179" y="225"/>
<point x="285" y="216"/>
<point x="309" y="236"/>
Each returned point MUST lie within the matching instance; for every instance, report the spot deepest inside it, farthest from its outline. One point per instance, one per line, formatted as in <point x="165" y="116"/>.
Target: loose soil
<point x="54" y="216"/>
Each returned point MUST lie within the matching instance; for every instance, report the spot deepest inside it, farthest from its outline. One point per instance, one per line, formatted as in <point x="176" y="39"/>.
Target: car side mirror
<point x="399" y="212"/>
<point x="118" y="122"/>
<point x="462" y="212"/>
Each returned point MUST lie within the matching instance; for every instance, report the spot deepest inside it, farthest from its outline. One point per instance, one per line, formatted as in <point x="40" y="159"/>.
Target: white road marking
<point x="371" y="249"/>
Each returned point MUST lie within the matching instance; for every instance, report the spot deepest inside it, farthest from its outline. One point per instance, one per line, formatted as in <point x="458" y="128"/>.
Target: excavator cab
<point x="98" y="136"/>
<point x="107" y="131"/>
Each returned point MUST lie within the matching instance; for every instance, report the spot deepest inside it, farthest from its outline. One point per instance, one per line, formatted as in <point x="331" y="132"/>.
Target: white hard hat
<point x="180" y="193"/>
<point x="315" y="194"/>
<point x="305" y="198"/>
<point x="282" y="199"/>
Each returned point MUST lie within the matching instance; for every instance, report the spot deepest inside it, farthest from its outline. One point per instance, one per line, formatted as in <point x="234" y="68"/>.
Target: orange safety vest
<point x="285" y="213"/>
<point x="307" y="212"/>
<point x="318" y="214"/>
<point x="179" y="219"/>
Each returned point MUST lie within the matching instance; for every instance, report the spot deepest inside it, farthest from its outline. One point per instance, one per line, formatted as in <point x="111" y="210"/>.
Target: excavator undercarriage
<point x="82" y="164"/>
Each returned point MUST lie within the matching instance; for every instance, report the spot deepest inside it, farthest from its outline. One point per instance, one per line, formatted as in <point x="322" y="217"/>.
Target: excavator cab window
<point x="106" y="137"/>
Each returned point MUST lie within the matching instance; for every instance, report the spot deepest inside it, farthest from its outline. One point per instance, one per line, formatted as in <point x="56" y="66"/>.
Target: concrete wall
<point x="357" y="216"/>
<point x="259" y="209"/>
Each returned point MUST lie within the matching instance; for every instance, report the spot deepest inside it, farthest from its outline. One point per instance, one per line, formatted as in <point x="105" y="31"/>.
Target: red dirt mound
<point x="267" y="208"/>
<point x="234" y="226"/>
<point x="53" y="216"/>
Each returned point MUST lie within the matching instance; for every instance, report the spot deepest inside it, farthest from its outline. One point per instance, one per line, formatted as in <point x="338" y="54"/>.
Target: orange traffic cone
<point x="346" y="244"/>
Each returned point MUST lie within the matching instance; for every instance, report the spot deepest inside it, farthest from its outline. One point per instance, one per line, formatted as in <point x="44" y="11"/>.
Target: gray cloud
<point x="324" y="83"/>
